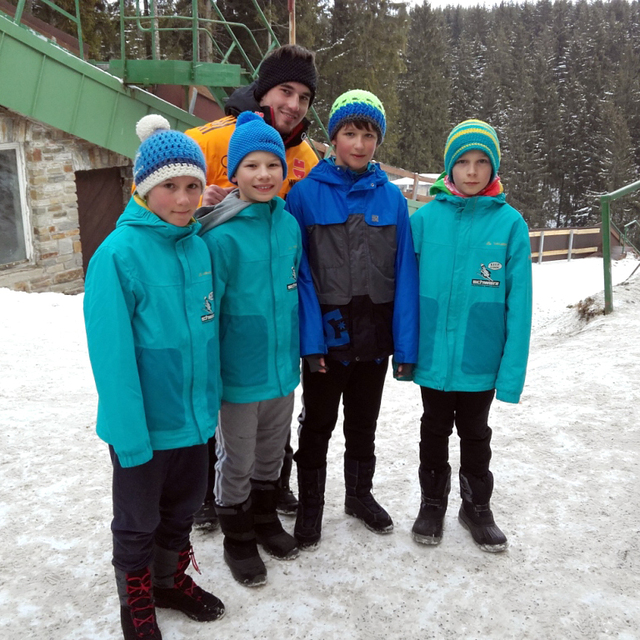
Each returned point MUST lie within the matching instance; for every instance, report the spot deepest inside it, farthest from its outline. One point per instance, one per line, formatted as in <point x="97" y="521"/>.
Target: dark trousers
<point x="360" y="385"/>
<point x="469" y="410"/>
<point x="154" y="503"/>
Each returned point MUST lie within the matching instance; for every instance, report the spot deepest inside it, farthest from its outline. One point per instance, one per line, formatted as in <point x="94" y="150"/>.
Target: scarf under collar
<point x="494" y="188"/>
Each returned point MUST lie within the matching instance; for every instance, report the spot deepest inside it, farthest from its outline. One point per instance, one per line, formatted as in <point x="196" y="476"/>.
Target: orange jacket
<point x="213" y="138"/>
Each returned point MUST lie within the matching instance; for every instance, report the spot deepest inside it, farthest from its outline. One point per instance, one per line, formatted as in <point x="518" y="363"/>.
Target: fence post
<point x="570" y="245"/>
<point x="540" y="246"/>
<point x="606" y="253"/>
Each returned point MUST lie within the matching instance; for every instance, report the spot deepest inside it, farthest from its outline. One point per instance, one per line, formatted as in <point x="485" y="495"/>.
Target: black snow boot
<point x="287" y="503"/>
<point x="137" y="609"/>
<point x="308" y="529"/>
<point x="174" y="589"/>
<point x="206" y="517"/>
<point x="434" y="488"/>
<point x="240" y="547"/>
<point x="358" y="502"/>
<point x="269" y="532"/>
<point x="475" y="513"/>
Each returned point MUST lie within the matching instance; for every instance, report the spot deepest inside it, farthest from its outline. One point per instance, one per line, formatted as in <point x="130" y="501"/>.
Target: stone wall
<point x="51" y="159"/>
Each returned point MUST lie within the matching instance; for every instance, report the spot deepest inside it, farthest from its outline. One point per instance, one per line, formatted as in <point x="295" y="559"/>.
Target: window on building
<point x="14" y="245"/>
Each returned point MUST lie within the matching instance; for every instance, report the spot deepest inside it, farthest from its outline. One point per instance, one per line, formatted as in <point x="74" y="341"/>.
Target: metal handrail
<point x="17" y="18"/>
<point x="605" y="209"/>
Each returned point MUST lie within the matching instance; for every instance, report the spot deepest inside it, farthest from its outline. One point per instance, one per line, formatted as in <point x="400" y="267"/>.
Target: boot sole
<point x="431" y="541"/>
<point x="257" y="580"/>
<point x="309" y="546"/>
<point x="193" y="616"/>
<point x="489" y="548"/>
<point x="291" y="555"/>
<point x="383" y="531"/>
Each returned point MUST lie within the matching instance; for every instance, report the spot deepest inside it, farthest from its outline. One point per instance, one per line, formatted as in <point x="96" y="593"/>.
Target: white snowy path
<point x="565" y="462"/>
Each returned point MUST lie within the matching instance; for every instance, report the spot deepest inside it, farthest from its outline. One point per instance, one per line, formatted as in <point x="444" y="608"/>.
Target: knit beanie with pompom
<point x="165" y="154"/>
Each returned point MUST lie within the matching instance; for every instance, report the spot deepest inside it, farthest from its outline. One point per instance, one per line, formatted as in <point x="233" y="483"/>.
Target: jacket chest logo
<point x="293" y="285"/>
<point x="486" y="275"/>
<point x="299" y="169"/>
<point x="207" y="313"/>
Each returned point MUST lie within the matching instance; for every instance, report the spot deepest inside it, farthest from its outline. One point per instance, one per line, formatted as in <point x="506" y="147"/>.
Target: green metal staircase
<point x="43" y="81"/>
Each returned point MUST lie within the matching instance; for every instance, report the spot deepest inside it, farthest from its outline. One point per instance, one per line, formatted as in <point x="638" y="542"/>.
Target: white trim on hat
<point x="171" y="171"/>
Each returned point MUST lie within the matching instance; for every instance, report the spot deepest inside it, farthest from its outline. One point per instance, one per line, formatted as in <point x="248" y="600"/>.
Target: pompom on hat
<point x="468" y="135"/>
<point x="165" y="154"/>
<point x="357" y="105"/>
<point x="251" y="134"/>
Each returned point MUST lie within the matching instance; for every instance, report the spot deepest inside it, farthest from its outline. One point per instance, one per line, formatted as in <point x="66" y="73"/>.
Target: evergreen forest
<point x="559" y="80"/>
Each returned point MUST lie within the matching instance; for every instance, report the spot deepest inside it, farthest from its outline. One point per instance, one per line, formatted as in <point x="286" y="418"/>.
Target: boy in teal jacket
<point x="256" y="252"/>
<point x="475" y="321"/>
<point x="149" y="315"/>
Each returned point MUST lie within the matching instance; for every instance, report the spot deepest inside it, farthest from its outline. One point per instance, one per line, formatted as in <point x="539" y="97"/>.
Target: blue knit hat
<point x="357" y="105"/>
<point x="468" y="135"/>
<point x="252" y="133"/>
<point x="165" y="154"/>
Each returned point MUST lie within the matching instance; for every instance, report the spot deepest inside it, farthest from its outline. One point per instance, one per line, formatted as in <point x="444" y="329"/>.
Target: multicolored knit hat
<point x="472" y="134"/>
<point x="165" y="154"/>
<point x="357" y="105"/>
<point x="289" y="63"/>
<point x="252" y="133"/>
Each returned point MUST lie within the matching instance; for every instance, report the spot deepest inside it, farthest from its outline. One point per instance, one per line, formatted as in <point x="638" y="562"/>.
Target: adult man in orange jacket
<point x="283" y="92"/>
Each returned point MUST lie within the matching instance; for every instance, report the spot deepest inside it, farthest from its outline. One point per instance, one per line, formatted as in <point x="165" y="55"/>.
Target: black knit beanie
<point x="284" y="66"/>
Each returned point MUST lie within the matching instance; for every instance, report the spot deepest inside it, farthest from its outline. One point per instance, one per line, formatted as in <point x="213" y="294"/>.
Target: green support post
<point x="605" y="209"/>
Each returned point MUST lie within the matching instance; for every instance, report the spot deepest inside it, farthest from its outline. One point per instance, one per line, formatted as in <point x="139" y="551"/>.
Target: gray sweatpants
<point x="250" y="442"/>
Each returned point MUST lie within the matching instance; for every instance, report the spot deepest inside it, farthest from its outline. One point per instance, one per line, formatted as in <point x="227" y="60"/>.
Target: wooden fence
<point x="576" y="242"/>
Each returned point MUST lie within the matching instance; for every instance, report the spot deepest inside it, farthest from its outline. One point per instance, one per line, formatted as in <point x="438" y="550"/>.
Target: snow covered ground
<point x="565" y="461"/>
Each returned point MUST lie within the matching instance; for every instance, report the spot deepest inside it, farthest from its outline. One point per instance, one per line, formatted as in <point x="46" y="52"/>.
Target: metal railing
<point x="17" y="18"/>
<point x="605" y="209"/>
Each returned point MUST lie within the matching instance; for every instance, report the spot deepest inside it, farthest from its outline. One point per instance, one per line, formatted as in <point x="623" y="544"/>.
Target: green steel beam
<point x="42" y="81"/>
<point x="183" y="72"/>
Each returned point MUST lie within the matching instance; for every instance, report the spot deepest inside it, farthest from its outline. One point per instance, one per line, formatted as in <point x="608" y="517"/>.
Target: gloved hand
<point x="316" y="363"/>
<point x="403" y="371"/>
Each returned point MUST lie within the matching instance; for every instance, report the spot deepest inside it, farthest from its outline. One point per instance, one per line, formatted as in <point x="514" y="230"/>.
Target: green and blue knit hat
<point x="251" y="134"/>
<point x="357" y="105"/>
<point x="165" y="154"/>
<point x="468" y="135"/>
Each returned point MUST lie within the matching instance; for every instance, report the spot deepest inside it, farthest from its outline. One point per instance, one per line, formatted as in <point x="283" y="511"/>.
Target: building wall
<point x="51" y="158"/>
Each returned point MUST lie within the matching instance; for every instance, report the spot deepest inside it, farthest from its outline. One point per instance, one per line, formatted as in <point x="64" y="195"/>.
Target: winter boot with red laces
<point x="174" y="589"/>
<point x="137" y="611"/>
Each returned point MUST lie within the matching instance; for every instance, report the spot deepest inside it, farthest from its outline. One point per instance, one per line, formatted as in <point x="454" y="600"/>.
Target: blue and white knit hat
<point x="165" y="154"/>
<point x="357" y="105"/>
<point x="468" y="135"/>
<point x="251" y="134"/>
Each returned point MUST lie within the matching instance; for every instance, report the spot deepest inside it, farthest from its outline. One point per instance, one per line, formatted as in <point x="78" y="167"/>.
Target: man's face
<point x="290" y="103"/>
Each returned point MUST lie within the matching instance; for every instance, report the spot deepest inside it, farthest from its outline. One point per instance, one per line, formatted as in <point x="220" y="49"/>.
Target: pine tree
<point x="367" y="39"/>
<point x="424" y="94"/>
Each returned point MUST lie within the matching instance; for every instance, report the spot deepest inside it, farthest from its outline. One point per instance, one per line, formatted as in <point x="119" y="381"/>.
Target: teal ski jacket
<point x="149" y="317"/>
<point x="474" y="260"/>
<point x="255" y="252"/>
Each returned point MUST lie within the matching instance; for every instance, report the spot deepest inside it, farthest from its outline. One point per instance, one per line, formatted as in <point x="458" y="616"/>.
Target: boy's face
<point x="175" y="200"/>
<point x="354" y="147"/>
<point x="289" y="102"/>
<point x="472" y="172"/>
<point x="259" y="176"/>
